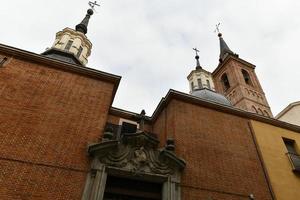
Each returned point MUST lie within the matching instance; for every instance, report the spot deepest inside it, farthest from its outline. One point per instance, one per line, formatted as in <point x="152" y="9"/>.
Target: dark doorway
<point x="128" y="128"/>
<point x="129" y="189"/>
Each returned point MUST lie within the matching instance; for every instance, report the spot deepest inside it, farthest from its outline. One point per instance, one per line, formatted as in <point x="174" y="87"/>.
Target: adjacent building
<point x="290" y="114"/>
<point x="279" y="147"/>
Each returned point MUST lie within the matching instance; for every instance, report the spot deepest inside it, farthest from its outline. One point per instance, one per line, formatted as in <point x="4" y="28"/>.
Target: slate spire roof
<point x="224" y="49"/>
<point x="198" y="66"/>
<point x="82" y="27"/>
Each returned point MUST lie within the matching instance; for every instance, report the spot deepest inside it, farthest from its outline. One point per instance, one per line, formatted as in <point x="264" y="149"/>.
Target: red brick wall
<point x="47" y="119"/>
<point x="221" y="158"/>
<point x="164" y="125"/>
<point x="159" y="127"/>
<point x="240" y="94"/>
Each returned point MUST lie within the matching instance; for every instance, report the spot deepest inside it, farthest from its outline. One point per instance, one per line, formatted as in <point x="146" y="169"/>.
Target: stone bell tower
<point x="71" y="45"/>
<point x="236" y="79"/>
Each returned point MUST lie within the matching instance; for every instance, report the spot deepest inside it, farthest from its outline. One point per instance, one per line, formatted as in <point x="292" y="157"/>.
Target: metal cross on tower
<point x="196" y="50"/>
<point x="217" y="30"/>
<point x="197" y="58"/>
<point x="93" y="4"/>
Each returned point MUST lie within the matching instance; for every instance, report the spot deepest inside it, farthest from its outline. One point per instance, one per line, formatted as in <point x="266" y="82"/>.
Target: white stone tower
<point x="71" y="45"/>
<point x="200" y="78"/>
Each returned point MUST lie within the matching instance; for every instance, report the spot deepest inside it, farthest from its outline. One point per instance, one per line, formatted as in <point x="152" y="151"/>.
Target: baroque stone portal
<point x="134" y="156"/>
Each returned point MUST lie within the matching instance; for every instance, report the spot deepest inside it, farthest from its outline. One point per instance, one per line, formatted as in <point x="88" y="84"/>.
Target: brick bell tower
<point x="235" y="78"/>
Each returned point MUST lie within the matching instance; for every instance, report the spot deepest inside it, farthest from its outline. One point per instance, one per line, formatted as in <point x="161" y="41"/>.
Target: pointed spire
<point x="224" y="49"/>
<point x="198" y="66"/>
<point x="82" y="27"/>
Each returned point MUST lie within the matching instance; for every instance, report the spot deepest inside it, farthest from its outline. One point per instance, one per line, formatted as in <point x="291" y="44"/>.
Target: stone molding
<point x="133" y="156"/>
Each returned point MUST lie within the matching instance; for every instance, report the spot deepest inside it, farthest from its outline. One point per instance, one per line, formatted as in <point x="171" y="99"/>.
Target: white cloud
<point x="150" y="43"/>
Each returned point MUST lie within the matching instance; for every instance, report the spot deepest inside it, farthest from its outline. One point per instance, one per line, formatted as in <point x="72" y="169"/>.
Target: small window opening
<point x="246" y="77"/>
<point x="128" y="127"/>
<point x="208" y="84"/>
<point x="292" y="154"/>
<point x="69" y="44"/>
<point x="290" y="145"/>
<point x="2" y="61"/>
<point x="192" y="86"/>
<point x="79" y="51"/>
<point x="200" y="83"/>
<point x="225" y="82"/>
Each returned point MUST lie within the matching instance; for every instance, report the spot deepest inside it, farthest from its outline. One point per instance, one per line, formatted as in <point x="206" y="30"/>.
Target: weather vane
<point x="217" y="30"/>
<point x="198" y="66"/>
<point x="196" y="50"/>
<point x="93" y="4"/>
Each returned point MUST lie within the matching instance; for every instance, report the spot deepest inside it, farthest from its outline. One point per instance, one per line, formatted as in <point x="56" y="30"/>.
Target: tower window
<point x="2" y="61"/>
<point x="225" y="82"/>
<point x="69" y="44"/>
<point x="208" y="84"/>
<point x="246" y="77"/>
<point x="192" y="86"/>
<point x="200" y="83"/>
<point x="79" y="51"/>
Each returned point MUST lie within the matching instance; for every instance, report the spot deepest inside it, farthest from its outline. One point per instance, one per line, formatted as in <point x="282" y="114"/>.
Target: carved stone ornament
<point x="137" y="153"/>
<point x="133" y="156"/>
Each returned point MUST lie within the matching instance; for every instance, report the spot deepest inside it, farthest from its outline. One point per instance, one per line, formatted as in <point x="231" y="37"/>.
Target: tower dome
<point x="210" y="95"/>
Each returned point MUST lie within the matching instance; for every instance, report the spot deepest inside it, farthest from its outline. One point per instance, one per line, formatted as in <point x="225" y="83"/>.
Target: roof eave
<point x="286" y="109"/>
<point x="173" y="94"/>
<point x="58" y="64"/>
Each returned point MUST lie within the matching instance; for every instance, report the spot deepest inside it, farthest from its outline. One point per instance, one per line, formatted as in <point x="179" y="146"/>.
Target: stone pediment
<point x="137" y="153"/>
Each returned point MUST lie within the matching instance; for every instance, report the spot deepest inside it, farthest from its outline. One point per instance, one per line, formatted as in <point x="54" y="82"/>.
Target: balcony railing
<point x="294" y="160"/>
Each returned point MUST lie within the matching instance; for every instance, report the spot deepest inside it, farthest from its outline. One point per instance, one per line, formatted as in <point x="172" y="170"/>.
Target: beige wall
<point x="292" y="115"/>
<point x="79" y="40"/>
<point x="204" y="76"/>
<point x="285" y="183"/>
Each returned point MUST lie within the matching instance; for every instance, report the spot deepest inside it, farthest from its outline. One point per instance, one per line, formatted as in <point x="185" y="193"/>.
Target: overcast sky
<point x="149" y="42"/>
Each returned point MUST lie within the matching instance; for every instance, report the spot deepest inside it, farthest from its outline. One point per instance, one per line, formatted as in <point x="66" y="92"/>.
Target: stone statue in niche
<point x="139" y="160"/>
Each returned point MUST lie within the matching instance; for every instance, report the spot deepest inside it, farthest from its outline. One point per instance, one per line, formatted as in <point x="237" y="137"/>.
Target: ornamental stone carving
<point x="137" y="153"/>
<point x="134" y="155"/>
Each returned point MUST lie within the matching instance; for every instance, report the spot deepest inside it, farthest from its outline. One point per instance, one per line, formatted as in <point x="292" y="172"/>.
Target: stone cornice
<point x="173" y="94"/>
<point x="126" y="114"/>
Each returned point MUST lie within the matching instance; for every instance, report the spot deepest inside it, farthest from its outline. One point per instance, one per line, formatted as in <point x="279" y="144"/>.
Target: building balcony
<point x="295" y="161"/>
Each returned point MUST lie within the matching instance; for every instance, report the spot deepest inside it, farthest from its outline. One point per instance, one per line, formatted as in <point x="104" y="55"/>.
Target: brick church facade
<point x="62" y="139"/>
